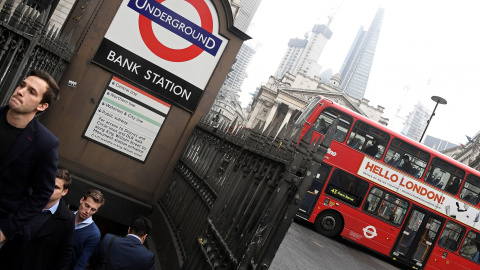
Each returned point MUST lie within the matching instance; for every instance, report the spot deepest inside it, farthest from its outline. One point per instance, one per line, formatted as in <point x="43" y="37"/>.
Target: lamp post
<point x="437" y="100"/>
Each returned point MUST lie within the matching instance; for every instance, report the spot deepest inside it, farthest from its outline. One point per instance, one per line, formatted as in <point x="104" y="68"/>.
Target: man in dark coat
<point x="28" y="154"/>
<point x="406" y="166"/>
<point x="47" y="241"/>
<point x="126" y="253"/>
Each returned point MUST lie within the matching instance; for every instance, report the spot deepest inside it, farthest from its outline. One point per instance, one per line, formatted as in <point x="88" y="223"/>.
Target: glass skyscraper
<point x="356" y="67"/>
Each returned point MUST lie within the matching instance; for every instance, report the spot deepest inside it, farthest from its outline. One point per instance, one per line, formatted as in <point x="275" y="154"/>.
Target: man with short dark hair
<point x="126" y="252"/>
<point x="87" y="234"/>
<point x="406" y="166"/>
<point x="47" y="240"/>
<point x="28" y="153"/>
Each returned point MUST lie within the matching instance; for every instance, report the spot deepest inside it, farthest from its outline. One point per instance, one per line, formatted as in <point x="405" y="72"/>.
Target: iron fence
<point x="26" y="42"/>
<point x="235" y="192"/>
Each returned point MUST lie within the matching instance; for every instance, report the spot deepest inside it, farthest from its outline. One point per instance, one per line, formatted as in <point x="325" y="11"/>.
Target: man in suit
<point x="28" y="154"/>
<point x="87" y="234"/>
<point x="126" y="253"/>
<point x="47" y="241"/>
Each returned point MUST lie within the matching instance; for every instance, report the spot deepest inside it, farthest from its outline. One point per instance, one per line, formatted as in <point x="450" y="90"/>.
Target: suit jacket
<point x="126" y="253"/>
<point x="27" y="176"/>
<point x="50" y="249"/>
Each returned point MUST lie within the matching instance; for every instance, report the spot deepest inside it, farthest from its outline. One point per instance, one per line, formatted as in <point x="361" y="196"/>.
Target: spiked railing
<point x="26" y="42"/>
<point x="235" y="191"/>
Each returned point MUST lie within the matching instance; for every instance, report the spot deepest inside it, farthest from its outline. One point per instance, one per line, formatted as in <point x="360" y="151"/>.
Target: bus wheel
<point x="329" y="223"/>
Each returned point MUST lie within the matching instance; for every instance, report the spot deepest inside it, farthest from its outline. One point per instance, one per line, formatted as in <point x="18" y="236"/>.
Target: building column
<point x="271" y="114"/>
<point x="253" y="115"/>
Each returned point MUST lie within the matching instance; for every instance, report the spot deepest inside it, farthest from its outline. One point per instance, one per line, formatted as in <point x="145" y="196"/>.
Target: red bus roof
<point x="400" y="136"/>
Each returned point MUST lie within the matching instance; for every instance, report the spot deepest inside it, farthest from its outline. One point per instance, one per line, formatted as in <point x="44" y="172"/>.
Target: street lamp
<point x="437" y="100"/>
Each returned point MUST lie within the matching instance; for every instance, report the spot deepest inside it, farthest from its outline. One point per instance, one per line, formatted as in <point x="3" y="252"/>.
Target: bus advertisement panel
<point x="419" y="192"/>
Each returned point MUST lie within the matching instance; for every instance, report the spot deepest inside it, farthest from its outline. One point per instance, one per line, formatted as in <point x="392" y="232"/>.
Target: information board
<point x="127" y="119"/>
<point x="169" y="47"/>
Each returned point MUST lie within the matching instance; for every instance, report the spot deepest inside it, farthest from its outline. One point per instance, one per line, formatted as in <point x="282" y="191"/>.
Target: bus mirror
<point x="306" y="112"/>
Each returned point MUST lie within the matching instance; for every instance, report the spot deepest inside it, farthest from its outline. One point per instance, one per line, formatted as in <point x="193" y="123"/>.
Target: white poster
<point x="127" y="119"/>
<point x="424" y="194"/>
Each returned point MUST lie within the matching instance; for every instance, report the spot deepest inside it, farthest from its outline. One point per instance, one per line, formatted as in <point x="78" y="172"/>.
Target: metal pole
<point x="437" y="100"/>
<point x="428" y="122"/>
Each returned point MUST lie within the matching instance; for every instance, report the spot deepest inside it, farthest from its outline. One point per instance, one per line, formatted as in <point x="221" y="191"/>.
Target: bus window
<point x="451" y="236"/>
<point x="444" y="175"/>
<point x="407" y="158"/>
<point x="368" y="139"/>
<point x="347" y="187"/>
<point x="315" y="189"/>
<point x="471" y="189"/>
<point x="386" y="206"/>
<point x="471" y="246"/>
<point x="326" y="118"/>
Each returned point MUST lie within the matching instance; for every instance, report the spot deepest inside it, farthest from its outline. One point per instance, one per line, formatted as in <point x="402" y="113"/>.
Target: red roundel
<point x="169" y="54"/>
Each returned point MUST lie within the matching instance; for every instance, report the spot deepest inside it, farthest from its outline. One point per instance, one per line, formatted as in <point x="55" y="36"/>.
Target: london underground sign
<point x="369" y="232"/>
<point x="170" y="47"/>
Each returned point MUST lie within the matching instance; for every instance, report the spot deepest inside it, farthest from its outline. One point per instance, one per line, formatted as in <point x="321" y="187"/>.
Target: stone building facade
<point x="285" y="98"/>
<point x="468" y="154"/>
<point x="227" y="107"/>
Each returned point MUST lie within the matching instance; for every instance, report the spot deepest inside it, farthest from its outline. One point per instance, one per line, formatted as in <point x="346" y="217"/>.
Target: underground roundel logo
<point x="154" y="12"/>
<point x="369" y="232"/>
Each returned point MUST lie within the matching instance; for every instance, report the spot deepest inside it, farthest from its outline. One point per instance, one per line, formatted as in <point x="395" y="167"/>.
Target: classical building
<point x="226" y="107"/>
<point x="356" y="67"/>
<point x="303" y="54"/>
<point x="468" y="154"/>
<point x="284" y="98"/>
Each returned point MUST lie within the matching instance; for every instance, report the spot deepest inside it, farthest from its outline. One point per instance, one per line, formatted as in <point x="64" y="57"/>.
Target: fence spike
<point x="276" y="127"/>
<point x="23" y="20"/>
<point x="68" y="37"/>
<point x="46" y="12"/>
<point x="267" y="130"/>
<point x="257" y="127"/>
<point x="232" y="126"/>
<point x="50" y="32"/>
<point x="296" y="137"/>
<point x="6" y="10"/>
<point x="307" y="138"/>
<point x="17" y="15"/>
<point x="282" y="132"/>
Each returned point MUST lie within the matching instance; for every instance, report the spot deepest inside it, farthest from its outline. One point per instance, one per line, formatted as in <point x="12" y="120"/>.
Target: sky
<point x="426" y="48"/>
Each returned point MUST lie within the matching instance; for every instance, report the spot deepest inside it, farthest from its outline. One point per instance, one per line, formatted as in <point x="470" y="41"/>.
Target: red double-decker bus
<point x="391" y="194"/>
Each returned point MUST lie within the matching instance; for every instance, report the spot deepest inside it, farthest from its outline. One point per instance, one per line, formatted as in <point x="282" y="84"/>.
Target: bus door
<point x="314" y="191"/>
<point x="417" y="237"/>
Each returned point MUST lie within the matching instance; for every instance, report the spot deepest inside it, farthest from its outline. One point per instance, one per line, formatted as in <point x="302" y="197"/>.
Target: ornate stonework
<point x="291" y="93"/>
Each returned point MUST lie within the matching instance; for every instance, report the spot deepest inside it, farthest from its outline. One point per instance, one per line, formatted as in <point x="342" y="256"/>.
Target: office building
<point x="416" y="122"/>
<point x="303" y="54"/>
<point x="246" y="11"/>
<point x="358" y="63"/>
<point x="238" y="71"/>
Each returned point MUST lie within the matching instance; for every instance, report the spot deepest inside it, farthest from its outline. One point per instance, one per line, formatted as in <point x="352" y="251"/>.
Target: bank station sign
<point x="169" y="47"/>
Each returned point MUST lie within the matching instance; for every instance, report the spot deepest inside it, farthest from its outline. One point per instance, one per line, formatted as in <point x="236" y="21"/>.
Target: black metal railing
<point x="235" y="191"/>
<point x="26" y="43"/>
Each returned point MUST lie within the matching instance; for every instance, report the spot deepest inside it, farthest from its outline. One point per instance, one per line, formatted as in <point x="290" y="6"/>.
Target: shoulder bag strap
<point x="105" y="259"/>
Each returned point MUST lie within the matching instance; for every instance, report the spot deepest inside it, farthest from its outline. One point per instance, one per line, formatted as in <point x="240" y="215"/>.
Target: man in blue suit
<point x="28" y="154"/>
<point x="47" y="241"/>
<point x="126" y="253"/>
